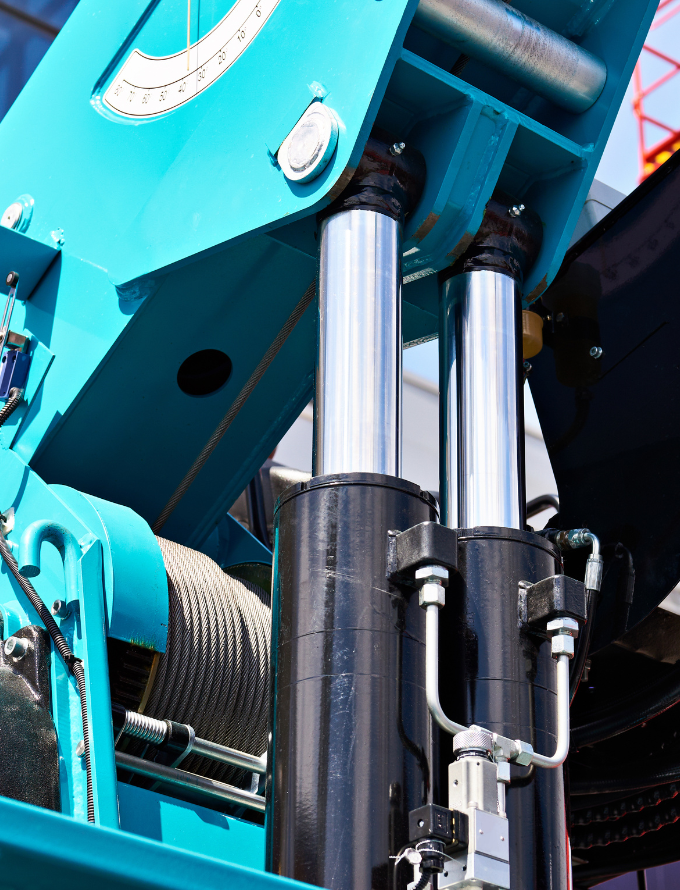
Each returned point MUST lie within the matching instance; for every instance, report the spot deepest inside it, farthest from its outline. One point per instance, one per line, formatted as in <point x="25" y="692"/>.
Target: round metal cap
<point x="473" y="741"/>
<point x="11" y="218"/>
<point x="308" y="148"/>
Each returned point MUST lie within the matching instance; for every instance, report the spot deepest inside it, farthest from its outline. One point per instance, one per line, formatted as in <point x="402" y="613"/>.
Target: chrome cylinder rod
<point x="482" y="422"/>
<point x="357" y="410"/>
<point x="539" y="59"/>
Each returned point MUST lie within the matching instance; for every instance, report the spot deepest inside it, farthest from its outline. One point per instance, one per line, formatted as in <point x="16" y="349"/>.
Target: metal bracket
<point x="428" y="543"/>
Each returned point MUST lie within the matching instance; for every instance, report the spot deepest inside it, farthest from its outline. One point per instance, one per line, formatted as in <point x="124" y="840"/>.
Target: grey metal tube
<point x="180" y="779"/>
<point x="228" y="755"/>
<point x="539" y="59"/>
<point x="357" y="409"/>
<point x="482" y="423"/>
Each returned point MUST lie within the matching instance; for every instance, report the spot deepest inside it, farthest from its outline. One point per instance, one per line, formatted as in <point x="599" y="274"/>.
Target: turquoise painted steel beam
<point x="48" y="851"/>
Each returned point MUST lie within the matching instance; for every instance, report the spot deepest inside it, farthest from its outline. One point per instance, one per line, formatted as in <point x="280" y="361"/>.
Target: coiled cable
<point x="11" y="405"/>
<point x="74" y="664"/>
<point x="214" y="674"/>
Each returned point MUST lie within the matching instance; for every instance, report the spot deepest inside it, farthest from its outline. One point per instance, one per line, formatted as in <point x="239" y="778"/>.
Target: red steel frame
<point x="655" y="155"/>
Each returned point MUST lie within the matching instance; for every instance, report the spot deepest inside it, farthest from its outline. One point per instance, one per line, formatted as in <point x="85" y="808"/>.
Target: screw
<point x="528" y="368"/>
<point x="397" y="148"/>
<point x="596" y="352"/>
<point x="421" y="824"/>
<point x="516" y="210"/>
<point x="60" y="609"/>
<point x="16" y="648"/>
<point x="502" y="838"/>
<point x="80" y="748"/>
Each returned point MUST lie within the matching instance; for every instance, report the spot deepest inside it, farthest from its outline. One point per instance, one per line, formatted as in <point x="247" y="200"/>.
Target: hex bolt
<point x="561" y="632"/>
<point x="432" y="582"/>
<point x="397" y="148"/>
<point x="516" y="210"/>
<point x="60" y="609"/>
<point x="596" y="352"/>
<point x="16" y="647"/>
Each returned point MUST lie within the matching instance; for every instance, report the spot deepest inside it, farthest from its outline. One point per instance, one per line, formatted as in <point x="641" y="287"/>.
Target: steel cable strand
<point x="15" y="398"/>
<point x="74" y="664"/>
<point x="217" y="669"/>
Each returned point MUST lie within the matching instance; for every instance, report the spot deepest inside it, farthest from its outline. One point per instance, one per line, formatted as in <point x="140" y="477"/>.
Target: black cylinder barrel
<point x="498" y="674"/>
<point x="352" y="736"/>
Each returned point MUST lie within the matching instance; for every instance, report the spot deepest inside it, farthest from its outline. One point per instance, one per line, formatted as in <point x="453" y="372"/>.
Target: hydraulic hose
<point x="583" y="646"/>
<point x="74" y="664"/>
<point x="627" y="712"/>
<point x="663" y="775"/>
<point x="11" y="405"/>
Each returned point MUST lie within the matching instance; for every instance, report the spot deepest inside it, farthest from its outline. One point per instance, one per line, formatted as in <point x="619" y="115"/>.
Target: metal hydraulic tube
<point x="539" y="59"/>
<point x="358" y="379"/>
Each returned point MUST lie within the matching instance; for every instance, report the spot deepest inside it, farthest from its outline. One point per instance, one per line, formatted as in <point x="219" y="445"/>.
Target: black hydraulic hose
<point x="11" y="405"/>
<point x="663" y="775"/>
<point x="629" y="711"/>
<point x="541" y="503"/>
<point x="583" y="645"/>
<point x="423" y="882"/>
<point x="74" y="664"/>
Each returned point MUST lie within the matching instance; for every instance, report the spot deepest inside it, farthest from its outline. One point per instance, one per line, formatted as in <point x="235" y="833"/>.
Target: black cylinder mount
<point x="497" y="671"/>
<point x="352" y="736"/>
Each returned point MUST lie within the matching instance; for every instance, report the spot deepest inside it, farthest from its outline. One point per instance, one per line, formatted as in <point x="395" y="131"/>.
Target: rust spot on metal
<point x="426" y="227"/>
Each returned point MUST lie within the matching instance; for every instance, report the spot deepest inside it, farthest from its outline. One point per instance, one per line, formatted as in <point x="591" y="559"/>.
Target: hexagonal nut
<point x="431" y="594"/>
<point x="562" y="645"/>
<point x="523" y="754"/>
<point x="432" y="573"/>
<point x="503" y="772"/>
<point x="566" y="626"/>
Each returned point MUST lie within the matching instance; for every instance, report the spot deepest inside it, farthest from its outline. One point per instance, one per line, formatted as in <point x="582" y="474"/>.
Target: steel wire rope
<point x="238" y="403"/>
<point x="74" y="664"/>
<point x="214" y="674"/>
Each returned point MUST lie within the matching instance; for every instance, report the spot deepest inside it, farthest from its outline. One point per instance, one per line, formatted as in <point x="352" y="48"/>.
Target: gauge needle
<point x="188" y="32"/>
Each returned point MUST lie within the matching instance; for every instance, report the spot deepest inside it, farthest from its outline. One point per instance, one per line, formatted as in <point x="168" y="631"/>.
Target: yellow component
<point x="532" y="334"/>
<point x="663" y="156"/>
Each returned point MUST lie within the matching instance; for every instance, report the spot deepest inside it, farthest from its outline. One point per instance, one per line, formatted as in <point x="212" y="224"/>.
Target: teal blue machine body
<point x="165" y="226"/>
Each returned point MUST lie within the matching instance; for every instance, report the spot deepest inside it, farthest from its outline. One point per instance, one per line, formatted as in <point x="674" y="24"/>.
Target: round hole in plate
<point x="204" y="372"/>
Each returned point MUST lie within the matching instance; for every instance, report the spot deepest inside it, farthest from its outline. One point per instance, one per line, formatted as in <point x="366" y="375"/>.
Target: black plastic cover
<point x="428" y="543"/>
<point x="612" y="424"/>
<point x="556" y="597"/>
<point x="432" y="821"/>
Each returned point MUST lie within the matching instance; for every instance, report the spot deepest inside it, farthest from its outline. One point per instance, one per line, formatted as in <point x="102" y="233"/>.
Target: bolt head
<point x="60" y="609"/>
<point x="562" y="626"/>
<point x="397" y="148"/>
<point x="16" y="648"/>
<point x="11" y="218"/>
<point x="516" y="210"/>
<point x="432" y="573"/>
<point x="596" y="352"/>
<point x="80" y="749"/>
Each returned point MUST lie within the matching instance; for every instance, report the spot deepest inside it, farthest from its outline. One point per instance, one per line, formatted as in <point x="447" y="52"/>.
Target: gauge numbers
<point x="149" y="85"/>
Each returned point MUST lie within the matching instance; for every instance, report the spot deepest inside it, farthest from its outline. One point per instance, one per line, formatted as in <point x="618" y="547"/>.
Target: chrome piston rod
<point x="537" y="58"/>
<point x="358" y="378"/>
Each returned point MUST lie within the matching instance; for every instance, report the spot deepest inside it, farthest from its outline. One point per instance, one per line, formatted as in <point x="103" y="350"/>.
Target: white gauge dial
<point x="149" y="85"/>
